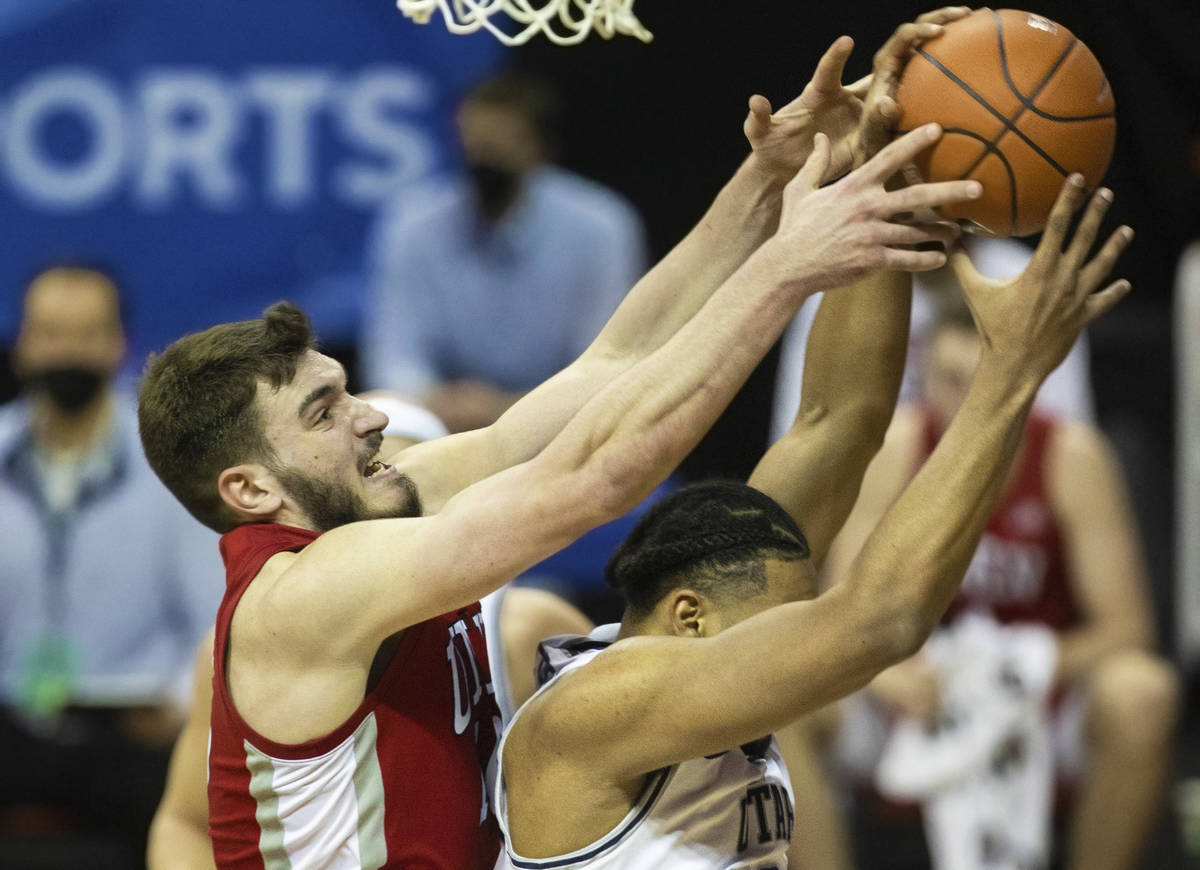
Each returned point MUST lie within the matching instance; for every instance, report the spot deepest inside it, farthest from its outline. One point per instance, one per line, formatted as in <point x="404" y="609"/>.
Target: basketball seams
<point x="999" y="115"/>
<point x="1030" y="103"/>
<point x="1016" y="81"/>
<point x="1025" y="102"/>
<point x="989" y="148"/>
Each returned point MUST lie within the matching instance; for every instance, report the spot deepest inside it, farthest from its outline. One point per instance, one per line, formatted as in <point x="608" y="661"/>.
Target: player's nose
<point x="368" y="418"/>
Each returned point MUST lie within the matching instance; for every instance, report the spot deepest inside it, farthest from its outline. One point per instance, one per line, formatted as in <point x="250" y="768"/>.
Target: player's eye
<point x="324" y="416"/>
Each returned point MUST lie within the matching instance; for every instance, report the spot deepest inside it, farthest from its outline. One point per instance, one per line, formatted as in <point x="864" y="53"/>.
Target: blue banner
<point x="220" y="153"/>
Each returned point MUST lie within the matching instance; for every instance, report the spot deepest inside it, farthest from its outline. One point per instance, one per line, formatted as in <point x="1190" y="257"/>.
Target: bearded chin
<point x="329" y="505"/>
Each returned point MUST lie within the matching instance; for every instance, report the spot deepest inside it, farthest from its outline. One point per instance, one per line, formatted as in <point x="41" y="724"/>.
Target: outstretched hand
<point x="880" y="109"/>
<point x="1033" y="319"/>
<point x="831" y="236"/>
<point x="857" y="118"/>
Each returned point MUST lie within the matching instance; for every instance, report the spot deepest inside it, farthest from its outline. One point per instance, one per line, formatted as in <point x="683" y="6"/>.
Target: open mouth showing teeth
<point x="374" y="467"/>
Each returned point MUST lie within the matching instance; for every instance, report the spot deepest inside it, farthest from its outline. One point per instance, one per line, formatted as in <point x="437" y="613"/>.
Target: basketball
<point x="1023" y="104"/>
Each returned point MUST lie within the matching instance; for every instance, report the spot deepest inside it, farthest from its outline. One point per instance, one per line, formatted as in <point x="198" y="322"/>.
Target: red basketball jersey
<point x="400" y="784"/>
<point x="1018" y="572"/>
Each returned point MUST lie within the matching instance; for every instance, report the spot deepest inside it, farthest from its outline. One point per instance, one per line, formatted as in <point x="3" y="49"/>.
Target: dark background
<point x="662" y="124"/>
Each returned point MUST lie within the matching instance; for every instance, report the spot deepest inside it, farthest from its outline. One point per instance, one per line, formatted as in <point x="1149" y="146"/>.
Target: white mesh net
<point x="566" y="22"/>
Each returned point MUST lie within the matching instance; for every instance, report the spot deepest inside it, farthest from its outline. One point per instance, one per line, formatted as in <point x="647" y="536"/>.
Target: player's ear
<point x="251" y="491"/>
<point x="688" y="612"/>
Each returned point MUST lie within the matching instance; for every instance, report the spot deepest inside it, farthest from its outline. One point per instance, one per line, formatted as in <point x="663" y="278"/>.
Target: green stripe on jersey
<point x="270" y="828"/>
<point x="368" y="786"/>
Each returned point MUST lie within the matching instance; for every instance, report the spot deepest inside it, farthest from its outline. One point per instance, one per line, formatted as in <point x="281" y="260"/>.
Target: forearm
<point x="856" y="351"/>
<point x="643" y="424"/>
<point x="852" y="374"/>
<point x="916" y="557"/>
<point x="743" y="215"/>
<point x="178" y="842"/>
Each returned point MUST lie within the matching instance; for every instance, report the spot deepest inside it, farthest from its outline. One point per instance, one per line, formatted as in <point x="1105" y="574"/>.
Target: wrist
<point x="774" y="264"/>
<point x="1011" y="378"/>
<point x="761" y="175"/>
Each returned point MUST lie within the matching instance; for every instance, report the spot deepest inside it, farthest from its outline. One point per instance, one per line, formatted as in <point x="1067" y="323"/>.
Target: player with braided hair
<point x="719" y="533"/>
<point x="649" y="743"/>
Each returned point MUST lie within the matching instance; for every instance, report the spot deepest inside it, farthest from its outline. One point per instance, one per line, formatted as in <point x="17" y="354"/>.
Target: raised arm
<point x="743" y="215"/>
<point x="680" y="698"/>
<point x="852" y="370"/>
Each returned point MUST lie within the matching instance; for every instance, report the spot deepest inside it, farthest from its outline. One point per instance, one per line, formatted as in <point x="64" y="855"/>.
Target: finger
<point x="758" y="121"/>
<point x="964" y="270"/>
<point x="1069" y="198"/>
<point x="900" y="260"/>
<point x="944" y="15"/>
<point x="891" y="58"/>
<point x="1102" y="302"/>
<point x="859" y="88"/>
<point x="892" y="233"/>
<point x="876" y="130"/>
<point x="827" y="78"/>
<point x="888" y="162"/>
<point x="1089" y="227"/>
<point x="812" y="173"/>
<point x="1101" y="266"/>
<point x="928" y="195"/>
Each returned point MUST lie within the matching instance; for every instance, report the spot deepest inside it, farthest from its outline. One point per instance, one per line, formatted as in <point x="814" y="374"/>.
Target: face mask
<point x="496" y="187"/>
<point x="72" y="388"/>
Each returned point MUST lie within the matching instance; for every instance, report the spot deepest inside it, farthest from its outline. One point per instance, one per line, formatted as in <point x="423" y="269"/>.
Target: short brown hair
<point x="196" y="411"/>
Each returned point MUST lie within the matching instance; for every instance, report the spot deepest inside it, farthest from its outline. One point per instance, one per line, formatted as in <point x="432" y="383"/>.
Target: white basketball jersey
<point x="732" y="810"/>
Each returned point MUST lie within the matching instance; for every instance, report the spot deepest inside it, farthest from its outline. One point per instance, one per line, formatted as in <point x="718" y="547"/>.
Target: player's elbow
<point x="905" y="637"/>
<point x="867" y="421"/>
<point x="860" y="425"/>
<point x="618" y="484"/>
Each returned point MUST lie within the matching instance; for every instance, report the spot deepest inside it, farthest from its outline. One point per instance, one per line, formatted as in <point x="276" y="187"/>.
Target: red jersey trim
<point x="282" y="539"/>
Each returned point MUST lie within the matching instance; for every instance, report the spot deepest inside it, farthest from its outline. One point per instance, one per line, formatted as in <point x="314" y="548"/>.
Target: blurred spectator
<point x="1060" y="569"/>
<point x="1067" y="392"/>
<point x="485" y="284"/>
<point x="106" y="584"/>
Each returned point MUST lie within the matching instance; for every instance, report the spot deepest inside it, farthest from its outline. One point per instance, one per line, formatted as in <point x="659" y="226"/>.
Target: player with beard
<point x="352" y="710"/>
<point x="515" y="620"/>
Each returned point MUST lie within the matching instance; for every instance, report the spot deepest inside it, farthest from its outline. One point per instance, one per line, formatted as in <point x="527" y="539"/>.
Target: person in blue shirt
<point x="106" y="583"/>
<point x="484" y="284"/>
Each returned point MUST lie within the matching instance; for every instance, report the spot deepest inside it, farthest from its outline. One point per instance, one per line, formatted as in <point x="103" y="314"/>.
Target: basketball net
<point x="565" y="22"/>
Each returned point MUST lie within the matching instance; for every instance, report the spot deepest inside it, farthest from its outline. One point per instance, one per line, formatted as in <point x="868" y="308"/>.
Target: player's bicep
<point x="362" y="582"/>
<point x="649" y="702"/>
<point x="444" y="467"/>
